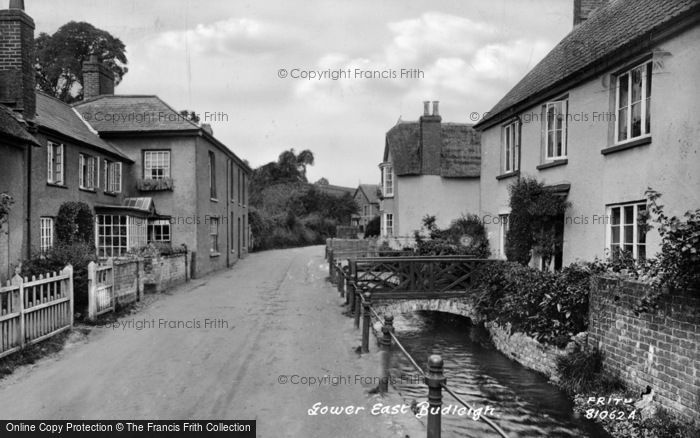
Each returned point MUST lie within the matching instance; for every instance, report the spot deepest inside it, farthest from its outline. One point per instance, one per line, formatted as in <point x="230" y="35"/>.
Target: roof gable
<point x="611" y="29"/>
<point x="135" y="113"/>
<point x="57" y="116"/>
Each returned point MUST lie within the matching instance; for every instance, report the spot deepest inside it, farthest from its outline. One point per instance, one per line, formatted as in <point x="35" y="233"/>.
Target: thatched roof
<point x="460" y="151"/>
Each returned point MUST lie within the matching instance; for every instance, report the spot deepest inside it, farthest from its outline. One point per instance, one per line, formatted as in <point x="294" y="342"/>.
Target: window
<point x="555" y="129"/>
<point x="55" y="163"/>
<point x="212" y="175"/>
<point x="87" y="169"/>
<point x="366" y="210"/>
<point x="159" y="230"/>
<point x="213" y="235"/>
<point x="46" y="236"/>
<point x="113" y="176"/>
<point x="388" y="224"/>
<point x="116" y="234"/>
<point x="503" y="223"/>
<point x="632" y="103"/>
<point x="511" y="147"/>
<point x="387" y="179"/>
<point x="243" y="190"/>
<point x="156" y="164"/>
<point x="232" y="171"/>
<point x="626" y="230"/>
<point x="111" y="235"/>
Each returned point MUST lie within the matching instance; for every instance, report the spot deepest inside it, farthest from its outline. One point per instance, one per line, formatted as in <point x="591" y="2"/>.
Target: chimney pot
<point x="17" y="4"/>
<point x="436" y="111"/>
<point x="426" y="108"/>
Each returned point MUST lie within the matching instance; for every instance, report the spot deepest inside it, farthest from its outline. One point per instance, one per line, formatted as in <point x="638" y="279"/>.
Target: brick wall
<point x="17" y="55"/>
<point x="658" y="349"/>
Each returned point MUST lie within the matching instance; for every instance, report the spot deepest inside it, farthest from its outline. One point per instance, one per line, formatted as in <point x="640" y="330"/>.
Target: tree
<point x="60" y="57"/>
<point x="322" y="182"/>
<point x="373" y="227"/>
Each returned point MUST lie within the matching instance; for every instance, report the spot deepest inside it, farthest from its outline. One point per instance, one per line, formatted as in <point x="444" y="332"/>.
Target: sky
<point x="320" y="75"/>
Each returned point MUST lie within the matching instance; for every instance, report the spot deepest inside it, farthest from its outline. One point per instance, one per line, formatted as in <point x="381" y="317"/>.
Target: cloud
<point x="244" y="36"/>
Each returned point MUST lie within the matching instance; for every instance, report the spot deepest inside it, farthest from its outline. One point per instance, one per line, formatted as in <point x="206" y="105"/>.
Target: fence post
<point x="92" y="287"/>
<point x="358" y="308"/>
<point x="385" y="343"/>
<point x="434" y="378"/>
<point x="331" y="265"/>
<point x="17" y="280"/>
<point x="68" y="270"/>
<point x="366" y="321"/>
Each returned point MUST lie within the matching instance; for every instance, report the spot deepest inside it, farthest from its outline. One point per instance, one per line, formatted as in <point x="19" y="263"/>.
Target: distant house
<point x="429" y="168"/>
<point x="149" y="175"/>
<point x="367" y="198"/>
<point x="610" y="111"/>
<point x="333" y="190"/>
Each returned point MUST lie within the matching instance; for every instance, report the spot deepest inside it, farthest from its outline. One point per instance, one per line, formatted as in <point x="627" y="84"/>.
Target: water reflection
<point x="525" y="404"/>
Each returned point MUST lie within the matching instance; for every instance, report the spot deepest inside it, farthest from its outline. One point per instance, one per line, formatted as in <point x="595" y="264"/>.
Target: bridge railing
<point x="415" y="276"/>
<point x="338" y="259"/>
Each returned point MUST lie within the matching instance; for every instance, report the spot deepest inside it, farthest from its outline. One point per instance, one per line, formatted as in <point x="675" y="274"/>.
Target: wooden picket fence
<point x="100" y="289"/>
<point x="35" y="309"/>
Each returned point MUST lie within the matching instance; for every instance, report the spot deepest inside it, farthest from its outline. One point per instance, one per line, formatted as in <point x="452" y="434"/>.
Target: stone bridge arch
<point x="462" y="306"/>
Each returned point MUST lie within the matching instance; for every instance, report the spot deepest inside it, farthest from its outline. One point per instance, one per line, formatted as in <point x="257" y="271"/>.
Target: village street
<point x="283" y="319"/>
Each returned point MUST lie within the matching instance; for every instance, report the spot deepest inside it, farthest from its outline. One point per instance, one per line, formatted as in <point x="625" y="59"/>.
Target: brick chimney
<point x="98" y="80"/>
<point x="584" y="8"/>
<point x="17" y="55"/>
<point x="430" y="139"/>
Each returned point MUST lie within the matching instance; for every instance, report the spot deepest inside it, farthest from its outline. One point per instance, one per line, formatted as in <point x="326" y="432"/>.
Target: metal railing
<point x="456" y="273"/>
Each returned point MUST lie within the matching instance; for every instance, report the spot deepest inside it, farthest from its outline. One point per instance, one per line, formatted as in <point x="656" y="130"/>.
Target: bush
<point x="535" y="213"/>
<point x="550" y="306"/>
<point x="75" y="223"/>
<point x="373" y="228"/>
<point x="77" y="254"/>
<point x="465" y="236"/>
<point x="579" y="371"/>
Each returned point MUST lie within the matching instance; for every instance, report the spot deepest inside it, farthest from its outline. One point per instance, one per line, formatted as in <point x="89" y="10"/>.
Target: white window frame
<point x="163" y="225"/>
<point x="564" y="127"/>
<point x="113" y="176"/>
<point x="625" y="221"/>
<point x="154" y="160"/>
<point x="511" y="147"/>
<point x="88" y="168"/>
<point x="388" y="224"/>
<point x="387" y="180"/>
<point x="46" y="234"/>
<point x="55" y="163"/>
<point x="214" y="235"/>
<point x="503" y="230"/>
<point x="108" y="228"/>
<point x="645" y="101"/>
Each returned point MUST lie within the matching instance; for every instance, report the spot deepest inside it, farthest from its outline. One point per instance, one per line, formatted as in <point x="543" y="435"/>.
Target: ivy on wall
<point x="535" y="213"/>
<point x="75" y="223"/>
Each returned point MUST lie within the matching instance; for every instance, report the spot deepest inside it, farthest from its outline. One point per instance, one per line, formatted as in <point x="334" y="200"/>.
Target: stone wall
<point x="657" y="349"/>
<point x="525" y="350"/>
<point x="161" y="273"/>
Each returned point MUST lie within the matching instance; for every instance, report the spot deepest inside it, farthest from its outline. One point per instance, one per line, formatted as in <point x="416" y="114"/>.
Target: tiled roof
<point x="609" y="30"/>
<point x="334" y="190"/>
<point x="370" y="191"/>
<point x="460" y="152"/>
<point x="11" y="127"/>
<point x="124" y="113"/>
<point x="56" y="115"/>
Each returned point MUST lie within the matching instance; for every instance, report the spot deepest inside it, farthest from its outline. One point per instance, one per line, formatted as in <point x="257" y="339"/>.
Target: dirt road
<point x="271" y="315"/>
